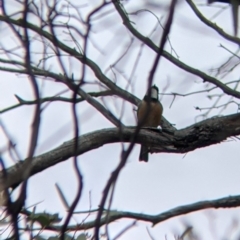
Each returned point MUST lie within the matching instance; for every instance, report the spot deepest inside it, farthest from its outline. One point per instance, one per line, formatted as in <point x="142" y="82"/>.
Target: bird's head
<point x="152" y="92"/>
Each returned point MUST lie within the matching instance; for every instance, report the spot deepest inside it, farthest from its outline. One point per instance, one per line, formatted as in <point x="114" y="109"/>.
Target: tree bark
<point x="202" y="134"/>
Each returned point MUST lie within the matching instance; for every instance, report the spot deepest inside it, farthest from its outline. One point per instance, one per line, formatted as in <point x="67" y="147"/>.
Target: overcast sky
<point x="167" y="180"/>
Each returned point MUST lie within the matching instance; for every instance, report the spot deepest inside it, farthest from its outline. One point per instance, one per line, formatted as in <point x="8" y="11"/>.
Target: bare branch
<point x="149" y="43"/>
<point x="53" y="99"/>
<point x="212" y="25"/>
<point x="226" y="202"/>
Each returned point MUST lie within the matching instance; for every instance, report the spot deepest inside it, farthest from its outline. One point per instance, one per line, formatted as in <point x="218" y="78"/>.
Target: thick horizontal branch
<point x="202" y="134"/>
<point x="154" y="47"/>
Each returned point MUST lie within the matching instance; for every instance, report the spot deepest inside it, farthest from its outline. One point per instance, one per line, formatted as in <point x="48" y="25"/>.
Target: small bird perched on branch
<point x="149" y="114"/>
<point x="235" y="4"/>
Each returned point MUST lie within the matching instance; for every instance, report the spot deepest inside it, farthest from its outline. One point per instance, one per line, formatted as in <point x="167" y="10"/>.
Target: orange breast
<point x="150" y="114"/>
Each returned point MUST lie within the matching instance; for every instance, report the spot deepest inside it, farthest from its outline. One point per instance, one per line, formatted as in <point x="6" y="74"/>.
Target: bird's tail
<point x="143" y="154"/>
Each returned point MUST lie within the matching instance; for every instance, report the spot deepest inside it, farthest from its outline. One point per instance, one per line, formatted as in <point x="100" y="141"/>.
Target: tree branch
<point x="95" y="68"/>
<point x="113" y="215"/>
<point x="53" y="99"/>
<point x="202" y="134"/>
<point x="97" y="71"/>
<point x="153" y="46"/>
<point x="212" y="25"/>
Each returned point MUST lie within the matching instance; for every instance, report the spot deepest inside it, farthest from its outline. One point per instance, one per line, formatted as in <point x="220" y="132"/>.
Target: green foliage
<point x="82" y="236"/>
<point x="44" y="219"/>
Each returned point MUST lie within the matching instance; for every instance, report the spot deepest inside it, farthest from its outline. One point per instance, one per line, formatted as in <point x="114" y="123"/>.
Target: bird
<point x="149" y="114"/>
<point x="235" y="4"/>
